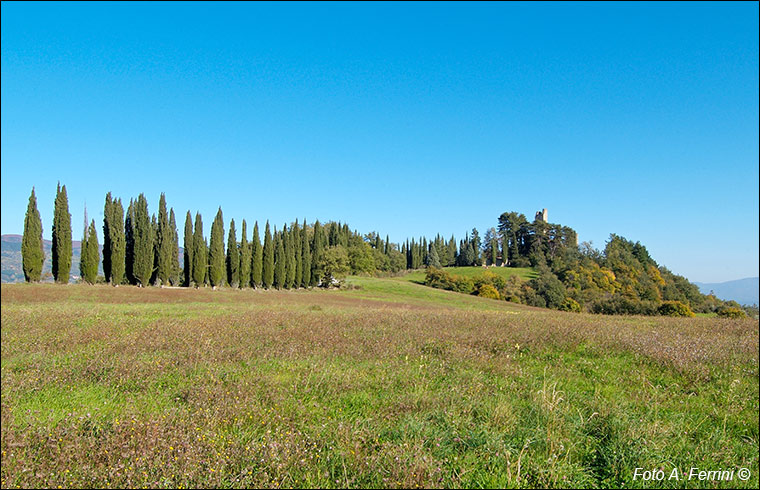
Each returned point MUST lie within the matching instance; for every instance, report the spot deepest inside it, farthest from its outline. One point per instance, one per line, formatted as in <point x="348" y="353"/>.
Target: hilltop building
<point x="542" y="215"/>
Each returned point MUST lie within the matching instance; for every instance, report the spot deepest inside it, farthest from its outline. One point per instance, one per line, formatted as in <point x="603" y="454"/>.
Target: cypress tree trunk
<point x="200" y="261"/>
<point x="32" y="253"/>
<point x="268" y="259"/>
<point x="61" y="237"/>
<point x="233" y="257"/>
<point x="216" y="251"/>
<point x="257" y="255"/>
<point x="188" y="245"/>
<point x="245" y="259"/>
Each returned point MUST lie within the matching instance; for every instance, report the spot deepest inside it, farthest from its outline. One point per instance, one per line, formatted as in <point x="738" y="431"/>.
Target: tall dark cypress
<point x="164" y="243"/>
<point x="32" y="253"/>
<point x="107" y="225"/>
<point x="61" y="237"/>
<point x="267" y="276"/>
<point x="296" y="239"/>
<point x="174" y="250"/>
<point x="433" y="259"/>
<point x="154" y="228"/>
<point x="129" y="237"/>
<point x="188" y="252"/>
<point x="257" y="258"/>
<point x="316" y="254"/>
<point x="83" y="256"/>
<point x="90" y="255"/>
<point x="200" y="261"/>
<point x="245" y="258"/>
<point x="118" y="243"/>
<point x="306" y="257"/>
<point x="279" y="262"/>
<point x="290" y="260"/>
<point x="216" y="251"/>
<point x="233" y="257"/>
<point x="144" y="255"/>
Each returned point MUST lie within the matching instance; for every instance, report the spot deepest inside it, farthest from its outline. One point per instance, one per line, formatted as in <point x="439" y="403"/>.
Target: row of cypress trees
<point x="143" y="250"/>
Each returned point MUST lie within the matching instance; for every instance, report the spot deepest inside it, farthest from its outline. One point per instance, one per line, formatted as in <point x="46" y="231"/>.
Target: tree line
<point x="143" y="249"/>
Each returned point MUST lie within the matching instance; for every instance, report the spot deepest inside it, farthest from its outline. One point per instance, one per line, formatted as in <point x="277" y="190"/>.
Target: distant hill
<point x="743" y="291"/>
<point x="11" y="259"/>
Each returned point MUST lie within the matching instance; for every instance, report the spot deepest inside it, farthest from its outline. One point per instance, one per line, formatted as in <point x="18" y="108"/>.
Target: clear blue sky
<point x="408" y="119"/>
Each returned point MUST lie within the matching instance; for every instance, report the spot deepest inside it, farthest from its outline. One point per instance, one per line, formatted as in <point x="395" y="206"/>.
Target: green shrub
<point x="570" y="305"/>
<point x="488" y="291"/>
<point x="675" y="308"/>
<point x="731" y="312"/>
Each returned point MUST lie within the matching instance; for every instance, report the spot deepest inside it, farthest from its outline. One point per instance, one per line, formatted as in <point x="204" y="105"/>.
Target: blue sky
<point x="408" y="119"/>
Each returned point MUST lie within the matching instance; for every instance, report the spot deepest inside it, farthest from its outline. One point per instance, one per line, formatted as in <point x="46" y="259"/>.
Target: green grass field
<point x="389" y="384"/>
<point x="526" y="273"/>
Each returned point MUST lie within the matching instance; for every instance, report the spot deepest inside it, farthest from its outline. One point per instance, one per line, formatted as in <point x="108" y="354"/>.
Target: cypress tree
<point x="118" y="243"/>
<point x="290" y="259"/>
<point x="83" y="256"/>
<point x="188" y="252"/>
<point x="257" y="257"/>
<point x="279" y="262"/>
<point x="200" y="260"/>
<point x="296" y="239"/>
<point x="494" y="248"/>
<point x="164" y="243"/>
<point x="268" y="259"/>
<point x="433" y="259"/>
<point x="316" y="254"/>
<point x="32" y="253"/>
<point x="245" y="259"/>
<point x="305" y="257"/>
<point x="61" y="237"/>
<point x="144" y="255"/>
<point x="174" y="250"/>
<point x="216" y="251"/>
<point x="129" y="236"/>
<point x="154" y="228"/>
<point x="233" y="257"/>
<point x="107" y="225"/>
<point x="475" y="243"/>
<point x="90" y="255"/>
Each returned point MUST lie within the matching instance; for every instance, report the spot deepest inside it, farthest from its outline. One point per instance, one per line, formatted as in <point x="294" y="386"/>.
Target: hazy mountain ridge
<point x="12" y="270"/>
<point x="744" y="291"/>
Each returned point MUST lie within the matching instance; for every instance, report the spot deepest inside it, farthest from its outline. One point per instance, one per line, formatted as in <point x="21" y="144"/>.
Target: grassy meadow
<point x="385" y="384"/>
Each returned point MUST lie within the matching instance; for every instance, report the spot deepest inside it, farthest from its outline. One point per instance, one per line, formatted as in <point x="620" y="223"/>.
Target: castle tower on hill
<point x="542" y="215"/>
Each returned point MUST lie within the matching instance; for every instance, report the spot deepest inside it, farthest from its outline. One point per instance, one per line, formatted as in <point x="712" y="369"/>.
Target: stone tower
<point x="542" y="215"/>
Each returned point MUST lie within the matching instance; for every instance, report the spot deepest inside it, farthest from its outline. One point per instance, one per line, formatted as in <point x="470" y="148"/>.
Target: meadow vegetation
<point x="387" y="383"/>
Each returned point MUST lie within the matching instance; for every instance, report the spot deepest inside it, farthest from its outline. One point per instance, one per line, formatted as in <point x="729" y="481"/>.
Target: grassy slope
<point x="526" y="273"/>
<point x="393" y="384"/>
